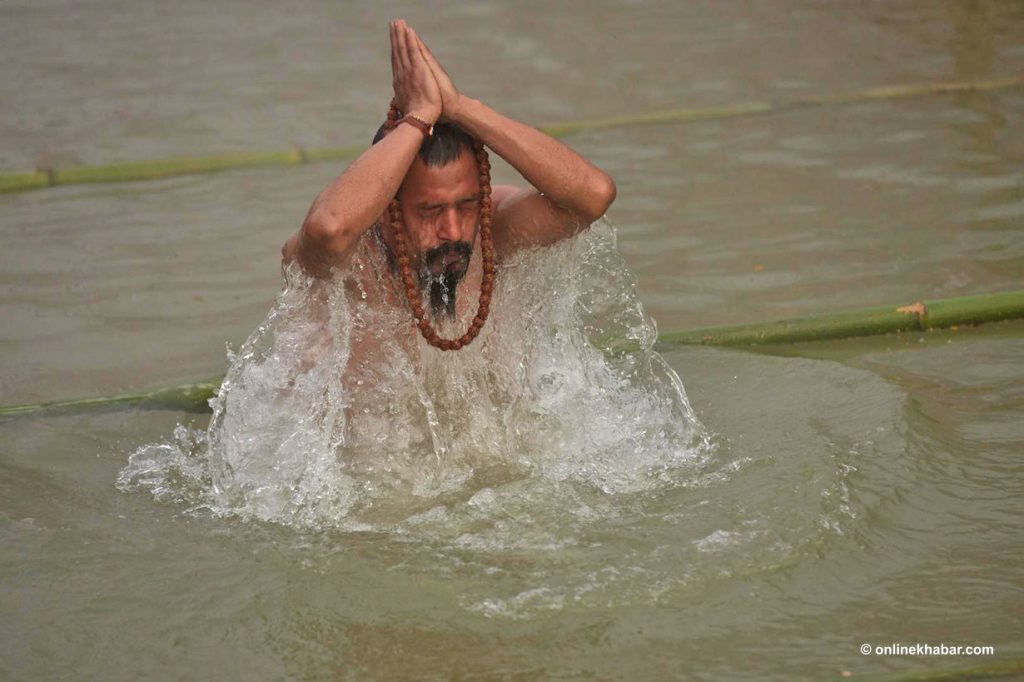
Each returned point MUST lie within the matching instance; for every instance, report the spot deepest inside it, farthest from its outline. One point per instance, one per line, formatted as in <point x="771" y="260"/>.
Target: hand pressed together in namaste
<point x="423" y="188"/>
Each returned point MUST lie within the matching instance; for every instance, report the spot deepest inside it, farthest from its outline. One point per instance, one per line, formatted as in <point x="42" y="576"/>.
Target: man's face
<point x="441" y="210"/>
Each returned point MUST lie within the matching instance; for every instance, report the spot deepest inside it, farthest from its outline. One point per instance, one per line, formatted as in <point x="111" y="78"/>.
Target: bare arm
<point x="568" y="193"/>
<point x="351" y="204"/>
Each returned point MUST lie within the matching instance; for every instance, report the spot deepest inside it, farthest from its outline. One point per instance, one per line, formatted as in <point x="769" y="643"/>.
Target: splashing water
<point x="334" y="414"/>
<point x="555" y="461"/>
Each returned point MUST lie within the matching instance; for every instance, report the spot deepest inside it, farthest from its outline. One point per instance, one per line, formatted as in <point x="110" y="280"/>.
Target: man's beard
<point x="443" y="268"/>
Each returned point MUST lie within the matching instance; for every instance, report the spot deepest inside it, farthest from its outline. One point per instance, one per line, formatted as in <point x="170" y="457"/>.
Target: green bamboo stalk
<point x="151" y="170"/>
<point x="865" y="322"/>
<point x="186" y="398"/>
<point x="968" y="310"/>
<point x="985" y="671"/>
<point x="22" y="182"/>
<point x="938" y="314"/>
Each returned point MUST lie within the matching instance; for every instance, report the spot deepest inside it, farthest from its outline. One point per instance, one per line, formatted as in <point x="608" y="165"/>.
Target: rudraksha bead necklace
<point x="486" y="247"/>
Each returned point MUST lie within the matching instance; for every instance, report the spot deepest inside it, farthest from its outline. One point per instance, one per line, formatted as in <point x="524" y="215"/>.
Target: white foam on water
<point x="333" y="414"/>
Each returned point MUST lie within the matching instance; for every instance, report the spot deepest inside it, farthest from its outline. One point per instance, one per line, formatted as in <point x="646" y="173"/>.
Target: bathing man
<point x="426" y="160"/>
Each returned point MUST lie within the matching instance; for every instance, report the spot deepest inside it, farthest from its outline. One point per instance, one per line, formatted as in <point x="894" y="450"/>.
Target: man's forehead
<point x="440" y="184"/>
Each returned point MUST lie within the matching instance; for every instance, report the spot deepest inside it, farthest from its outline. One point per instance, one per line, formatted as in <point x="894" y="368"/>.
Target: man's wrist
<point x="424" y="127"/>
<point x="465" y="113"/>
<point x="427" y="116"/>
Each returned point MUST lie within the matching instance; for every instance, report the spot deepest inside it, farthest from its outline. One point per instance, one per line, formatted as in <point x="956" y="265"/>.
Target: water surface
<point x="859" y="491"/>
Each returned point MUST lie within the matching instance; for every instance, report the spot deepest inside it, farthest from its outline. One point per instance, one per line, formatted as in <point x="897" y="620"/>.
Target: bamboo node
<point x="919" y="309"/>
<point x="44" y="166"/>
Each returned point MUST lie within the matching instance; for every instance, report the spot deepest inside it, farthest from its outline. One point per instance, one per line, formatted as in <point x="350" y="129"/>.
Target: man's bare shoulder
<point x="525" y="218"/>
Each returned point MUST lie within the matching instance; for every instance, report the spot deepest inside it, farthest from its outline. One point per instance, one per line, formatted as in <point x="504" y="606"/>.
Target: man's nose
<point x="450" y="228"/>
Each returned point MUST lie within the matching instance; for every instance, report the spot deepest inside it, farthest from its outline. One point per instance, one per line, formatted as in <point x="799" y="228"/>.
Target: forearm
<point x="554" y="169"/>
<point x="354" y="201"/>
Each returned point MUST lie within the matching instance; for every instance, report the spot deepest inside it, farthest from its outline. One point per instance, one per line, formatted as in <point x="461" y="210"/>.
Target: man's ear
<point x="387" y="232"/>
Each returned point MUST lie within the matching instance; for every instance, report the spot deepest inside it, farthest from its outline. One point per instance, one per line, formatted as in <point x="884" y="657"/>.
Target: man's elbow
<point x="324" y="228"/>
<point x="601" y="196"/>
<point x="289" y="249"/>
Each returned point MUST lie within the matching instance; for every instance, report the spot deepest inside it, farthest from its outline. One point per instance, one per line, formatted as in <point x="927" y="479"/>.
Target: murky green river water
<point x="862" y="491"/>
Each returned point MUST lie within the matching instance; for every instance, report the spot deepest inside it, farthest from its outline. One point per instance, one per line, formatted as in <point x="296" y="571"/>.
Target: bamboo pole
<point x="920" y="316"/>
<point x="916" y="317"/>
<point x="152" y="170"/>
<point x="186" y="398"/>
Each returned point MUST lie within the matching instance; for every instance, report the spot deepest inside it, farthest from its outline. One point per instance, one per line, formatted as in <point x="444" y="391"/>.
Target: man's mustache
<point x="442" y="280"/>
<point x="436" y="256"/>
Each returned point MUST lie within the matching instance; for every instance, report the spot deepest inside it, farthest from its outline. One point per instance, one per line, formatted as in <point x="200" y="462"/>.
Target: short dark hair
<point x="444" y="146"/>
